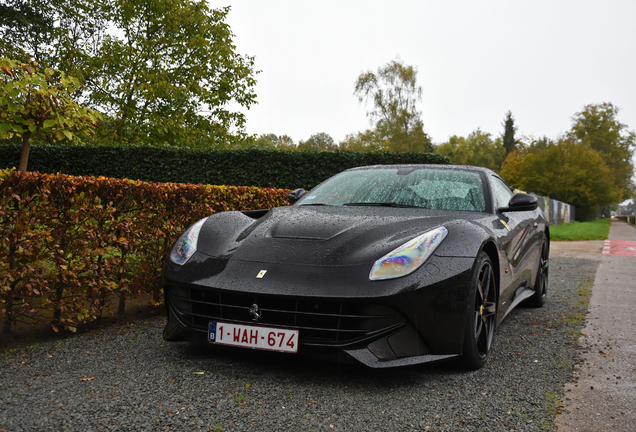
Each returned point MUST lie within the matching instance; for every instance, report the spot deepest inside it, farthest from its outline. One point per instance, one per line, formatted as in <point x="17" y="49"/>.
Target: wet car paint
<point x="326" y="252"/>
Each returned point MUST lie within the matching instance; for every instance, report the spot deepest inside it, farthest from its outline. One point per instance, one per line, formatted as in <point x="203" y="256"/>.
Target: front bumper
<point x="412" y="324"/>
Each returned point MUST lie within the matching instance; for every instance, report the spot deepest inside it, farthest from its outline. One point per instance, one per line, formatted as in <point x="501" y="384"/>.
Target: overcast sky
<point x="543" y="60"/>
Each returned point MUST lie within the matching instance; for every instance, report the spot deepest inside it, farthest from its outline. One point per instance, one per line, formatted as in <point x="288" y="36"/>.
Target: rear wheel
<point x="541" y="283"/>
<point x="481" y="315"/>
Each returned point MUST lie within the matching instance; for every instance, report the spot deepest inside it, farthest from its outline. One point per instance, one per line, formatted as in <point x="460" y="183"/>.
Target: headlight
<point x="185" y="247"/>
<point x="408" y="257"/>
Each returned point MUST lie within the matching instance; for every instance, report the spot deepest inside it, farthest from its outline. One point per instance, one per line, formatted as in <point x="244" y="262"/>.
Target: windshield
<point x="440" y="189"/>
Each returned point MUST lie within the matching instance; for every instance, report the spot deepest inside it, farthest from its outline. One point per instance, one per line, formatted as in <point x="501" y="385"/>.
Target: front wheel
<point x="481" y="315"/>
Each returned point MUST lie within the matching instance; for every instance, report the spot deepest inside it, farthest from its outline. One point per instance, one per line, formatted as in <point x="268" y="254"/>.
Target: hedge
<point x="246" y="167"/>
<point x="70" y="246"/>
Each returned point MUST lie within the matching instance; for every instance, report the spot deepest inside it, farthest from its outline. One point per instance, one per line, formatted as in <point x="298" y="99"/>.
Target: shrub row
<point x="72" y="245"/>
<point x="253" y="167"/>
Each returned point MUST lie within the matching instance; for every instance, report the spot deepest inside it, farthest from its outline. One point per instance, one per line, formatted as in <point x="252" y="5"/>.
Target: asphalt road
<point x="129" y="379"/>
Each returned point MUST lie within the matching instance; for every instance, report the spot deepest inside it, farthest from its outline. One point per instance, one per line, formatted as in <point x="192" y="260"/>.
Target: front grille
<point x="319" y="321"/>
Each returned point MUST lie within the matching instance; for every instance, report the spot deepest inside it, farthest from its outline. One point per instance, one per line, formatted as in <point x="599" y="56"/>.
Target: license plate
<point x="264" y="338"/>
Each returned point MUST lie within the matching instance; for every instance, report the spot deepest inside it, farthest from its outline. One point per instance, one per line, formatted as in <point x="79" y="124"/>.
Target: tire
<point x="481" y="315"/>
<point x="541" y="283"/>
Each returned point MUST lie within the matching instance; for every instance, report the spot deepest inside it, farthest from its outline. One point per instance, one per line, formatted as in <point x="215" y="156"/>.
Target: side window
<point x="502" y="192"/>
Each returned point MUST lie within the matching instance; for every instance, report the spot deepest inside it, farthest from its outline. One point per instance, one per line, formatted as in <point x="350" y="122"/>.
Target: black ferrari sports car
<point x="386" y="265"/>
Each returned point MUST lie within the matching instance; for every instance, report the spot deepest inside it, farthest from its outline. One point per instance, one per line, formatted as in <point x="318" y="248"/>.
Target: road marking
<point x="619" y="248"/>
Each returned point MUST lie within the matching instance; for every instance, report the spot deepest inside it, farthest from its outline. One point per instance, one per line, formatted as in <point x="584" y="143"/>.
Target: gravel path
<point x="131" y="380"/>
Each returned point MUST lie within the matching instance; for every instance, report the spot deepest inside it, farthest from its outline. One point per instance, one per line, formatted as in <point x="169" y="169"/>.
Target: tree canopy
<point x="394" y="93"/>
<point x="565" y="170"/>
<point x="319" y="141"/>
<point x="477" y="149"/>
<point x="271" y="141"/>
<point x="361" y="142"/>
<point x="36" y="103"/>
<point x="508" y="137"/>
<point x="161" y="71"/>
<point x="597" y="128"/>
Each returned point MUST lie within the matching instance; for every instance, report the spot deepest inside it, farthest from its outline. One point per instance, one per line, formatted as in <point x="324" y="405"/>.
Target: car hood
<point x="322" y="236"/>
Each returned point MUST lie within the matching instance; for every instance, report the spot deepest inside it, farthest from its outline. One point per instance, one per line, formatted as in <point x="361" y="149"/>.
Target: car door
<point x="519" y="245"/>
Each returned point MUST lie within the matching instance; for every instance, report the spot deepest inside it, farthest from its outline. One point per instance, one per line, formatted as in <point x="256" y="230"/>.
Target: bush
<point x="253" y="167"/>
<point x="70" y="245"/>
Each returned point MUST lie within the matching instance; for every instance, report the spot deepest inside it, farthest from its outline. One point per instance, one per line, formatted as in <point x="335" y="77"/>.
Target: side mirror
<point x="295" y="195"/>
<point x="520" y="202"/>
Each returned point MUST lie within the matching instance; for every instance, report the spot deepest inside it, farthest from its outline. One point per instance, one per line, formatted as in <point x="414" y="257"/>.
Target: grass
<point x="595" y="230"/>
<point x="241" y="396"/>
<point x="554" y="402"/>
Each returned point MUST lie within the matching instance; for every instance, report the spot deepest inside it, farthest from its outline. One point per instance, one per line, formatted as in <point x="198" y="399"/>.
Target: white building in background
<point x="626" y="208"/>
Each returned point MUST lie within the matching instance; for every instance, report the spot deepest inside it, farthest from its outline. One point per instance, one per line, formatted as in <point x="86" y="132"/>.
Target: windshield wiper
<point x="314" y="204"/>
<point x="382" y="204"/>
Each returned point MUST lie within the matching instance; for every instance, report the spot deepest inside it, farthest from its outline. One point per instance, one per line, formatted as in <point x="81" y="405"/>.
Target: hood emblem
<point x="255" y="313"/>
<point x="261" y="274"/>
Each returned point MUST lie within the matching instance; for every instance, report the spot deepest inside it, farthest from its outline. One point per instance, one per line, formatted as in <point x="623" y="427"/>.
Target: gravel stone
<point x="129" y="379"/>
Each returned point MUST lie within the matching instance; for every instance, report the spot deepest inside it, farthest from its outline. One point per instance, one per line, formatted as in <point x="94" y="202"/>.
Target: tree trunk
<point x="24" y="155"/>
<point x="8" y="318"/>
<point x="59" y="290"/>
<point x="6" y="327"/>
<point x="121" y="307"/>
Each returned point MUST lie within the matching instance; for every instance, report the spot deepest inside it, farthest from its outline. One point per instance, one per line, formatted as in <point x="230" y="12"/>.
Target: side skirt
<point x="523" y="295"/>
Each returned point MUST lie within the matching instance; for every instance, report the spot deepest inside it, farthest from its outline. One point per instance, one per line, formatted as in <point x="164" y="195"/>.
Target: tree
<point x="596" y="127"/>
<point x="53" y="33"/>
<point x="161" y="71"/>
<point x="477" y="149"/>
<point x="168" y="72"/>
<point x="394" y="92"/>
<point x="36" y="103"/>
<point x="265" y="141"/>
<point x="361" y="142"/>
<point x="272" y="141"/>
<point x="538" y="144"/>
<point x="567" y="171"/>
<point x="285" y="142"/>
<point x="319" y="141"/>
<point x="24" y="28"/>
<point x="509" y="141"/>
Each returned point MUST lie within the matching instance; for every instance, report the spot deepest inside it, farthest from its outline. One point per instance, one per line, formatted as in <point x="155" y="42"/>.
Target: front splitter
<point x="364" y="356"/>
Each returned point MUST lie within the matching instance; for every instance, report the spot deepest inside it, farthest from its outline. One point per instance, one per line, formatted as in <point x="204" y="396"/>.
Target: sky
<point x="542" y="60"/>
